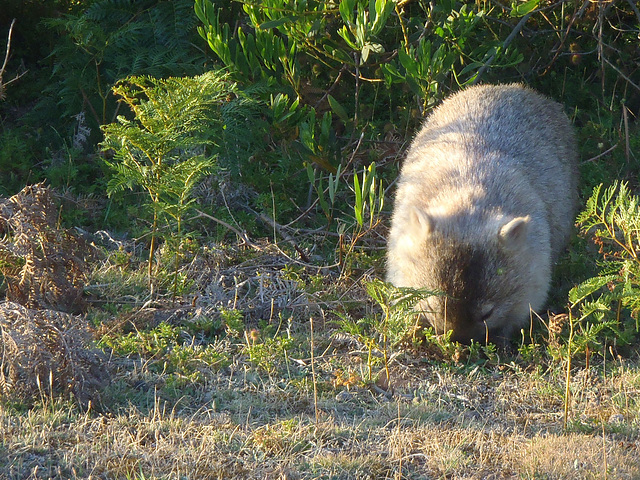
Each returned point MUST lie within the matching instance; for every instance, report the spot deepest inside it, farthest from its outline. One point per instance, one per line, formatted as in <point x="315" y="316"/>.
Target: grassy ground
<point x="441" y="422"/>
<point x="231" y="382"/>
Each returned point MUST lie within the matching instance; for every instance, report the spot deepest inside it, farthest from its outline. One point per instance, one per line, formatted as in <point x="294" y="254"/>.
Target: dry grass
<point x="490" y="425"/>
<point x="254" y="415"/>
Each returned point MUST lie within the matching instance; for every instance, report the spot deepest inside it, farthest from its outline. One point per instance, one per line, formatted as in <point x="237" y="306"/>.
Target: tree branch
<point x="6" y="61"/>
<point x="6" y="55"/>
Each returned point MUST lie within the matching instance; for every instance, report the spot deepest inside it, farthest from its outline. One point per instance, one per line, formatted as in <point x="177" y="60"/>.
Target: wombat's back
<point x="526" y="130"/>
<point x="485" y="203"/>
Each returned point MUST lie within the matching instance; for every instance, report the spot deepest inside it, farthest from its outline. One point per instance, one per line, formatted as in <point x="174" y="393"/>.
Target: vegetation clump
<point x="47" y="354"/>
<point x="43" y="266"/>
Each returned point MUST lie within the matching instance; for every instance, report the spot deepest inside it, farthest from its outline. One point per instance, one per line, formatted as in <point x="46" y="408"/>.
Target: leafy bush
<point x="88" y="46"/>
<point x="313" y="72"/>
<point x="612" y="219"/>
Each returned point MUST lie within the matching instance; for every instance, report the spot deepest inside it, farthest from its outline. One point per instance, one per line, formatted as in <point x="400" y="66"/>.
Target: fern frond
<point x="587" y="288"/>
<point x="612" y="217"/>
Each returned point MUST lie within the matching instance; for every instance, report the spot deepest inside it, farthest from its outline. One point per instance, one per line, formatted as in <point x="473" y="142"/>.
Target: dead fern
<point x="44" y="352"/>
<point x="43" y="266"/>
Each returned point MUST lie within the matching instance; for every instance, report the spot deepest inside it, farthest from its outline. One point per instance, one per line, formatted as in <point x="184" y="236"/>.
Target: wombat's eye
<point x="486" y="313"/>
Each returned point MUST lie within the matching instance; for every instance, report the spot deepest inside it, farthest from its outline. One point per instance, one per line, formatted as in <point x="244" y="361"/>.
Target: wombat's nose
<point x="465" y="335"/>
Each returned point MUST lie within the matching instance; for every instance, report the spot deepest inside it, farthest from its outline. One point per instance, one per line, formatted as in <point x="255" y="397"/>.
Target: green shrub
<point x="114" y="39"/>
<point x="315" y="74"/>
<point x="608" y="305"/>
<point x="161" y="151"/>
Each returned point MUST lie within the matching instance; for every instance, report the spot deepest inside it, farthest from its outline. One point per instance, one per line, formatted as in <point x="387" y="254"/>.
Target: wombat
<point x="485" y="203"/>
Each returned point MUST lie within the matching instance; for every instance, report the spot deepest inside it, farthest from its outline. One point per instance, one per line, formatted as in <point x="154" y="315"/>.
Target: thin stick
<point x="357" y="93"/>
<point x="3" y="85"/>
<point x="566" y="35"/>
<point x="280" y="229"/>
<point x="604" y="452"/>
<point x="609" y="150"/>
<point x="385" y="351"/>
<point x="240" y="234"/>
<point x="6" y="55"/>
<point x="625" y="117"/>
<point x="334" y="85"/>
<point x="315" y="202"/>
<point x="403" y="26"/>
<point x="398" y="474"/>
<point x="635" y="85"/>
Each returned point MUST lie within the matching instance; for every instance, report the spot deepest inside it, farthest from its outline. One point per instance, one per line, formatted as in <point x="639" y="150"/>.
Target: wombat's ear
<point x="421" y="223"/>
<point x="513" y="233"/>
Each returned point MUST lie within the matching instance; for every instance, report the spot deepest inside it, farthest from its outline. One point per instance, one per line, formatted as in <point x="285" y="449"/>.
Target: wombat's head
<point x="479" y="269"/>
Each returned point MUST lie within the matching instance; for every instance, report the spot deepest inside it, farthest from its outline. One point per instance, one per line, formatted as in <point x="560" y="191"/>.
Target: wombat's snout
<point x="445" y="314"/>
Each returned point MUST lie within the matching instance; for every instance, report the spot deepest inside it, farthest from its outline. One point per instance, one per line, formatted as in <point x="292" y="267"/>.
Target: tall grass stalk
<point x="567" y="391"/>
<point x="313" y="373"/>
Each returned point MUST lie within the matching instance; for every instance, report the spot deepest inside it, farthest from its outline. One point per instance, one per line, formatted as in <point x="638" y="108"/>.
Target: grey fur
<point x="485" y="203"/>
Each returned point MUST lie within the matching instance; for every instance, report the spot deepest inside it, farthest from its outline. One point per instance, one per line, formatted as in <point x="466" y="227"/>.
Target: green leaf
<point x="588" y="287"/>
<point x="521" y="9"/>
<point x="346" y="10"/>
<point x="338" y="109"/>
<point x="367" y="49"/>
<point x="311" y="174"/>
<point x="277" y="23"/>
<point x="408" y="62"/>
<point x="346" y="35"/>
<point x="358" y="208"/>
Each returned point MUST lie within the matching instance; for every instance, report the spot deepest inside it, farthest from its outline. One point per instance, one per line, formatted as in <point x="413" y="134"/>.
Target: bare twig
<point x="315" y="202"/>
<point x="87" y="102"/>
<point x="3" y="85"/>
<point x="605" y="466"/>
<point x="399" y="8"/>
<point x="313" y="372"/>
<point x="566" y="35"/>
<point x="282" y="232"/>
<point x="357" y="93"/>
<point x="506" y="43"/>
<point x="600" y="45"/>
<point x="609" y="150"/>
<point x="625" y="117"/>
<point x="635" y="85"/>
<point x="6" y="54"/>
<point x="334" y="85"/>
<point x="567" y="390"/>
<point x="245" y="238"/>
<point x="398" y="474"/>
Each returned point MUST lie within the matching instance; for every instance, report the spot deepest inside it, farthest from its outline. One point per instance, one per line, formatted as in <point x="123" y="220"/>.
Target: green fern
<point x="161" y="150"/>
<point x="398" y="321"/>
<point x="114" y="39"/>
<point x="612" y="218"/>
